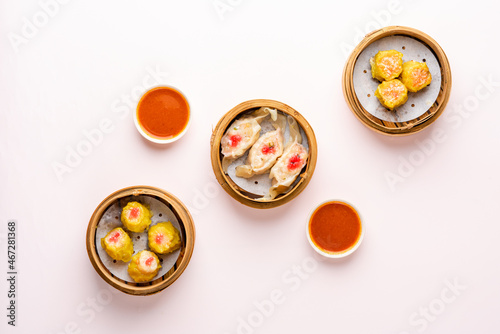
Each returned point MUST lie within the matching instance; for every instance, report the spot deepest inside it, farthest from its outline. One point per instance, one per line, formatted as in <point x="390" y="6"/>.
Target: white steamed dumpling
<point x="266" y="150"/>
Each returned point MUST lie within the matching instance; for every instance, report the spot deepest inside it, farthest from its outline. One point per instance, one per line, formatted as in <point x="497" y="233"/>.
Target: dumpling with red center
<point x="136" y="217"/>
<point x="163" y="238"/>
<point x="387" y="65"/>
<point x="392" y="94"/>
<point x="144" y="266"/>
<point x="415" y="75"/>
<point x="118" y="245"/>
<point x="266" y="150"/>
<point x="289" y="165"/>
<point x="242" y="134"/>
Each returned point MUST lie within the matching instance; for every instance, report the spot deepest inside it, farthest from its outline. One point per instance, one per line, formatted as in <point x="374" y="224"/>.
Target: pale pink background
<point x="438" y="224"/>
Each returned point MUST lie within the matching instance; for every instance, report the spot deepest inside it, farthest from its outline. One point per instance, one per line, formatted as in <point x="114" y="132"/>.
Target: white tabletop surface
<point x="430" y="258"/>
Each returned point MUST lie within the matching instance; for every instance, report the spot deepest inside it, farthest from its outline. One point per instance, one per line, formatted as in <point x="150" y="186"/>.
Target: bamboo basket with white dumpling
<point x="263" y="153"/>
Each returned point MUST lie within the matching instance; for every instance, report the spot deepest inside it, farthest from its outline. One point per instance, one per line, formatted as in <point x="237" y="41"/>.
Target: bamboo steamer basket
<point x="225" y="180"/>
<point x="187" y="231"/>
<point x="397" y="128"/>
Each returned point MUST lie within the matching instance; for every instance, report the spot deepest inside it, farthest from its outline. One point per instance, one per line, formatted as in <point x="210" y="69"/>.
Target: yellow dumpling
<point x="164" y="238"/>
<point x="391" y="94"/>
<point x="387" y="65"/>
<point x="415" y="75"/>
<point x="136" y="217"/>
<point x="144" y="266"/>
<point x="118" y="245"/>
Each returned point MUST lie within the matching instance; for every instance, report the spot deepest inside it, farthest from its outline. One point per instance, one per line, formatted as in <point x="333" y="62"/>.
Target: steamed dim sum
<point x="136" y="217"/>
<point x="144" y="266"/>
<point x="266" y="150"/>
<point x="415" y="75"/>
<point x="242" y="134"/>
<point x="387" y="65"/>
<point x="118" y="245"/>
<point x="163" y="238"/>
<point x="392" y="94"/>
<point x="289" y="165"/>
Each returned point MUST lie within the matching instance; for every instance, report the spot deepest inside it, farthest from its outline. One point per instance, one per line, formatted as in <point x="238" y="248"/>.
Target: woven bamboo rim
<point x="397" y="128"/>
<point x="185" y="222"/>
<point x="228" y="184"/>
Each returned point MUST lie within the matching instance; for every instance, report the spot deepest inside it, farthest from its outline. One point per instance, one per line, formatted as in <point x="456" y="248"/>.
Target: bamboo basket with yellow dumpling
<point x="147" y="274"/>
<point x="430" y="109"/>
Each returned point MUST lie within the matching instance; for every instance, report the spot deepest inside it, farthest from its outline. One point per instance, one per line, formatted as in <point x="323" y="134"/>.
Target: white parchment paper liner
<point x="111" y="219"/>
<point x="364" y="84"/>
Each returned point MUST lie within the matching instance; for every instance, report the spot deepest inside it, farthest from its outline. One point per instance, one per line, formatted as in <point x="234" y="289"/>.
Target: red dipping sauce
<point x="335" y="228"/>
<point x="163" y="113"/>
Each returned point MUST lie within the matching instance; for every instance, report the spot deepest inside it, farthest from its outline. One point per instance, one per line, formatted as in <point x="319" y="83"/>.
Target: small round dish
<point x="164" y="206"/>
<point x="323" y="231"/>
<point x="162" y="115"/>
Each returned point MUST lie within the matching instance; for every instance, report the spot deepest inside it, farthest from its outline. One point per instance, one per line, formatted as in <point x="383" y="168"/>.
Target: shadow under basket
<point x="238" y="193"/>
<point x="392" y="128"/>
<point x="186" y="230"/>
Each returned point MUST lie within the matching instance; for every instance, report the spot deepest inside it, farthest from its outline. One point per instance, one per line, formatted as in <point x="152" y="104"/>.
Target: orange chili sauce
<point x="335" y="227"/>
<point x="163" y="113"/>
